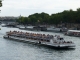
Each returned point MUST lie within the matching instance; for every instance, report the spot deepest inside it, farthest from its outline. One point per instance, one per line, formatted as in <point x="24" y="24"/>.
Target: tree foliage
<point x="67" y="16"/>
<point x="0" y="3"/>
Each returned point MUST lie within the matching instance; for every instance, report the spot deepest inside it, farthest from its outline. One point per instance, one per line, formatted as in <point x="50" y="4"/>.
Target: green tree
<point x="45" y="17"/>
<point x="67" y="16"/>
<point x="0" y="3"/>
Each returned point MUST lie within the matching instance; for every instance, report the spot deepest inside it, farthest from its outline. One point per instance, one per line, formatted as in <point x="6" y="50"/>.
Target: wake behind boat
<point x="48" y="40"/>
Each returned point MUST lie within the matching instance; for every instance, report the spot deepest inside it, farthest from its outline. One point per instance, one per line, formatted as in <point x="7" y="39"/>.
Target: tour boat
<point x="3" y="25"/>
<point x="73" y="33"/>
<point x="38" y="28"/>
<point x="56" y="29"/>
<point x="42" y="39"/>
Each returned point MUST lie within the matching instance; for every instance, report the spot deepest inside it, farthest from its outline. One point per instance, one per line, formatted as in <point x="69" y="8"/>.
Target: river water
<point x="13" y="50"/>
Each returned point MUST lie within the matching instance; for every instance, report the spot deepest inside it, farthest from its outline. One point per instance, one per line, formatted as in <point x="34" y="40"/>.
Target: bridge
<point x="8" y="21"/>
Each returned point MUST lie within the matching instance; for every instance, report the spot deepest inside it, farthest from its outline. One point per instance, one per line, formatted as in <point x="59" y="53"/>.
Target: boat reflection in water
<point x="42" y="39"/>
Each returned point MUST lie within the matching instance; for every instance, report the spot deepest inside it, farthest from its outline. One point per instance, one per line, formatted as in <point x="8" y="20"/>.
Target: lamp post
<point x="38" y="22"/>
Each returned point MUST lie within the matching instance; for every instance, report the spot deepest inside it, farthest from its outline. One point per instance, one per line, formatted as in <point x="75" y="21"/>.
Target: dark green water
<point x="13" y="50"/>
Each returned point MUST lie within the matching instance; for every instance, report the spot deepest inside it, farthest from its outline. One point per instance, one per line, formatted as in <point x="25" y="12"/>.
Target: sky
<point x="28" y="7"/>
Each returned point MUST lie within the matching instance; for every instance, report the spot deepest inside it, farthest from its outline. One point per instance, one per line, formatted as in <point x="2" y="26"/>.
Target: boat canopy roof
<point x="73" y="30"/>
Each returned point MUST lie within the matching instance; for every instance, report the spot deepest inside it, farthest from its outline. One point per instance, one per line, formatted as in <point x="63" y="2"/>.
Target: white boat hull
<point x="41" y="42"/>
